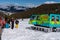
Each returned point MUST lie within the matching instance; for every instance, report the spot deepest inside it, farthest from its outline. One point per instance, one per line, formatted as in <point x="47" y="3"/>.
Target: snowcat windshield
<point x="33" y="17"/>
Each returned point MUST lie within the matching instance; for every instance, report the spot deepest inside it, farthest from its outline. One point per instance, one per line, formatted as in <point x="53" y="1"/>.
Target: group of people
<point x="8" y="23"/>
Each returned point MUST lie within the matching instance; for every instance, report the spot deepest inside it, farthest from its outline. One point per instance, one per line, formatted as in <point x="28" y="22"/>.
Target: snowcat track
<point x="45" y="29"/>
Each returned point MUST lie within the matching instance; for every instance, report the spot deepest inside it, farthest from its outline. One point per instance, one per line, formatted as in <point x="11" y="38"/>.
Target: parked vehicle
<point x="46" y="20"/>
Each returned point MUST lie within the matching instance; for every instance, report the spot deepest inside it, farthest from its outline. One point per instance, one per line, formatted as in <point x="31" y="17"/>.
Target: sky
<point x="30" y="3"/>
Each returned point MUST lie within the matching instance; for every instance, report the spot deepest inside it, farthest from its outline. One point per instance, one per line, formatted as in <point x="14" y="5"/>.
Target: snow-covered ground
<point x="22" y="33"/>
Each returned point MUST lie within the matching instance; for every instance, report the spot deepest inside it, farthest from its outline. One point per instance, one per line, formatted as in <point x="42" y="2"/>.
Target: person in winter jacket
<point x="6" y="18"/>
<point x="12" y="22"/>
<point x="8" y="21"/>
<point x="16" y="23"/>
<point x="7" y="25"/>
<point x="2" y="22"/>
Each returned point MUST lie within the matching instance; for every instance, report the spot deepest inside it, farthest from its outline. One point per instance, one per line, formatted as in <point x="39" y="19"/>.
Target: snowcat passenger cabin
<point x="54" y="21"/>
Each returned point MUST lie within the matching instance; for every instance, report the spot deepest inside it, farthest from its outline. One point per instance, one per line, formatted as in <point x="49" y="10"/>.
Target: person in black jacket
<point x="12" y="22"/>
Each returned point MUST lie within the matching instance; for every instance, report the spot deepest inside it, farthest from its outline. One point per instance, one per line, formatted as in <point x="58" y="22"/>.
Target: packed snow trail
<point x="22" y="33"/>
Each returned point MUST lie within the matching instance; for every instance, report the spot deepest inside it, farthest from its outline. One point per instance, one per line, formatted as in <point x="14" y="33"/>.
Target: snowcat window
<point x="57" y="18"/>
<point x="33" y="17"/>
<point x="53" y="18"/>
<point x="38" y="18"/>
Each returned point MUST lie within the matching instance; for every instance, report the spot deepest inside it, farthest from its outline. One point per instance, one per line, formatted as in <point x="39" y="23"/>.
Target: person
<point x="12" y="22"/>
<point x="4" y="22"/>
<point x="7" y="25"/>
<point x="6" y="18"/>
<point x="1" y="22"/>
<point x="8" y="21"/>
<point x="16" y="23"/>
<point x="1" y="25"/>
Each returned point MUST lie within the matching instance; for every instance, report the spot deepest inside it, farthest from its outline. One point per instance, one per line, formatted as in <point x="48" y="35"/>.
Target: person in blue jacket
<point x="7" y="25"/>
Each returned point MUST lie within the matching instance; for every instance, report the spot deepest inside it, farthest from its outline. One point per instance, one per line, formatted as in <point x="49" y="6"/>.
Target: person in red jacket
<point x="2" y="22"/>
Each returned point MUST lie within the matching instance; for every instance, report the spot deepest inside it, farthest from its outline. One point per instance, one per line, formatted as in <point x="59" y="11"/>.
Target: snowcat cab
<point x="33" y="19"/>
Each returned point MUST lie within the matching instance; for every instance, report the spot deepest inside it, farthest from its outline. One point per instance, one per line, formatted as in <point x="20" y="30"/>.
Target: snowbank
<point x="26" y="34"/>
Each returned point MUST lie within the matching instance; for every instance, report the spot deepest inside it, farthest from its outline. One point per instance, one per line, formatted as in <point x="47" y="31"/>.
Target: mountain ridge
<point x="13" y="8"/>
<point x="42" y="9"/>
